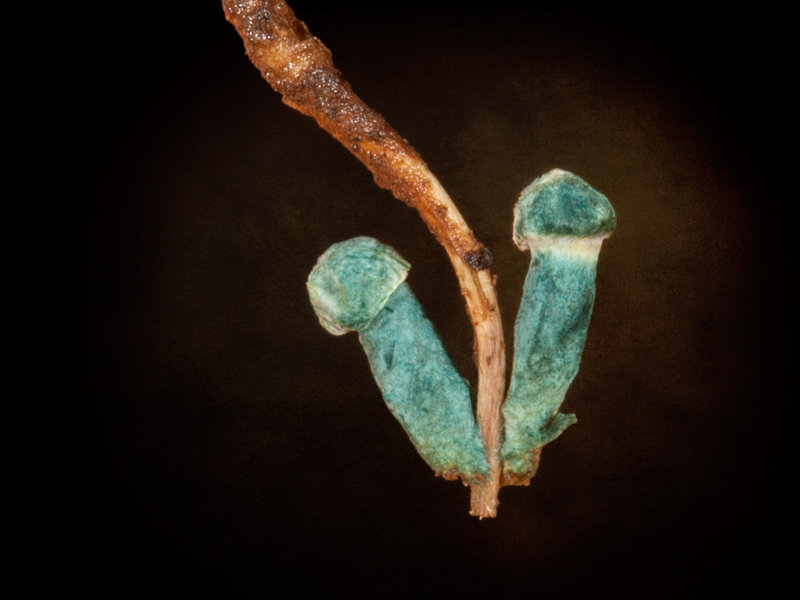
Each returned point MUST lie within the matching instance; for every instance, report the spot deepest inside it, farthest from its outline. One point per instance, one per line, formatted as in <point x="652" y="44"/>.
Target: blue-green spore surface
<point x="561" y="204"/>
<point x="562" y="220"/>
<point x="352" y="281"/>
<point x="422" y="387"/>
<point x="359" y="285"/>
<point x="549" y="335"/>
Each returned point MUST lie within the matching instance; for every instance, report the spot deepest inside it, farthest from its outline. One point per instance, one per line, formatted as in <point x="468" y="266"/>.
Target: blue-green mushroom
<point x="562" y="221"/>
<point x="359" y="285"/>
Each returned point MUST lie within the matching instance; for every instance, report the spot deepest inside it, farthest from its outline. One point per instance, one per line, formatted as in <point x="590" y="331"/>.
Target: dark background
<point x="229" y="446"/>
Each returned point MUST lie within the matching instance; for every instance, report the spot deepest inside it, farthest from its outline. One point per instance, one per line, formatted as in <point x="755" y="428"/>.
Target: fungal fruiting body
<point x="562" y="221"/>
<point x="359" y="285"/>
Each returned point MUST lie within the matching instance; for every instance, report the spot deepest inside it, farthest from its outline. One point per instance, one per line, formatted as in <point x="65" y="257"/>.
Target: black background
<point x="228" y="446"/>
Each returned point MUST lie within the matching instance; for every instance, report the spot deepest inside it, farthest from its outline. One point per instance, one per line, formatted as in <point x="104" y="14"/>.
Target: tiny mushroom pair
<point x="359" y="285"/>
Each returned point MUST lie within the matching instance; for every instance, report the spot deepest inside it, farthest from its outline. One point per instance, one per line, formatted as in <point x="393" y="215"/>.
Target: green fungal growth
<point x="561" y="204"/>
<point x="359" y="285"/>
<point x="562" y="220"/>
<point x="352" y="281"/>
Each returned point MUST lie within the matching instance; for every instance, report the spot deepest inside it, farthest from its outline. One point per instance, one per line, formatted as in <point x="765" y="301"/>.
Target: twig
<point x="299" y="67"/>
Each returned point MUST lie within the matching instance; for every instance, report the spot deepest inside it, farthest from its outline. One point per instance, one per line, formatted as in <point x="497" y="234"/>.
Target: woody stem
<point x="299" y="67"/>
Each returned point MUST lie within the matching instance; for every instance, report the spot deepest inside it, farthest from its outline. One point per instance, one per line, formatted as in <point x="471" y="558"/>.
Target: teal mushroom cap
<point x="352" y="281"/>
<point x="561" y="204"/>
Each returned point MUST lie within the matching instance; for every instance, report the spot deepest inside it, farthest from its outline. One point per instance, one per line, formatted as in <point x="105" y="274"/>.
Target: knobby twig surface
<point x="299" y="67"/>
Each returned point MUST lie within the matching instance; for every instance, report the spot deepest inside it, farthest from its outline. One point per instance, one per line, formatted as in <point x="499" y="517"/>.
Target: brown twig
<point x="299" y="67"/>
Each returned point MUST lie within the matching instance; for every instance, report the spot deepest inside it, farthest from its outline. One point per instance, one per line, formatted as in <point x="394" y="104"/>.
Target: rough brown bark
<point x="299" y="67"/>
